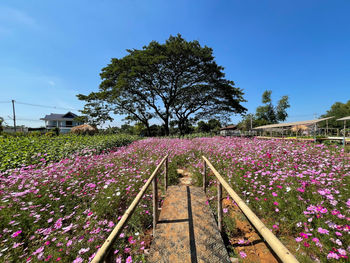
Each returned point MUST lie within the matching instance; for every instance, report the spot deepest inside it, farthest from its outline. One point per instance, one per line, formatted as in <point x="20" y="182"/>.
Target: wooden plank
<point x="166" y="175"/>
<point x="204" y="176"/>
<point x="155" y="203"/>
<point x="219" y="206"/>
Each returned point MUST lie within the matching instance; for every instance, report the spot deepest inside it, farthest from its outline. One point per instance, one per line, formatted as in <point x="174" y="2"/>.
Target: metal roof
<point x="344" y="118"/>
<point x="230" y="127"/>
<point x="59" y="117"/>
<point x="280" y="125"/>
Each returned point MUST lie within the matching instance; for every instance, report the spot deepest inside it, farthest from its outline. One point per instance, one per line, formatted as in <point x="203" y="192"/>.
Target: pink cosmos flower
<point x="316" y="240"/>
<point x="58" y="223"/>
<point x="39" y="250"/>
<point x="298" y="239"/>
<point x="338" y="234"/>
<point x="331" y="254"/>
<point x="323" y="231"/>
<point x="17" y="233"/>
<point x="78" y="260"/>
<point x="274" y="194"/>
<point x="242" y="254"/>
<point x="83" y="250"/>
<point x="131" y="240"/>
<point x="225" y="210"/>
<point x="129" y="259"/>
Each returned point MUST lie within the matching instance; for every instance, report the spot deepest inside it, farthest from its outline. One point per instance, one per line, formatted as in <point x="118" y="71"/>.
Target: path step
<point x="187" y="230"/>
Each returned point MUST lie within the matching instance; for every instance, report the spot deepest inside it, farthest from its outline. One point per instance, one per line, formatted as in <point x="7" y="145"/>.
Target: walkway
<point x="186" y="230"/>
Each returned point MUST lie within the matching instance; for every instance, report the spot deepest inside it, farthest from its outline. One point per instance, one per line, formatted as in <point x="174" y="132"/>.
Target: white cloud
<point x="11" y="16"/>
<point x="51" y="83"/>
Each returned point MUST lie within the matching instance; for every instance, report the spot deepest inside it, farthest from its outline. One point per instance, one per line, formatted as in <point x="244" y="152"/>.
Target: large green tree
<point x="175" y="81"/>
<point x="337" y="110"/>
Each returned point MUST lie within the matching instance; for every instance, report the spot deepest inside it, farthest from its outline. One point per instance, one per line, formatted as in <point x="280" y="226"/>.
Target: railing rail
<point x="105" y="253"/>
<point x="281" y="251"/>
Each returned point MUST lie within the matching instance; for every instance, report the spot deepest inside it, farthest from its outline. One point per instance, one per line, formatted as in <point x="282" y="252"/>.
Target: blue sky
<point x="52" y="50"/>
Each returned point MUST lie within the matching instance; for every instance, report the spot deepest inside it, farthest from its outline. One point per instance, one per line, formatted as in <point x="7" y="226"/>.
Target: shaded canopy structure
<point x="291" y="124"/>
<point x="344" y="118"/>
<point x="344" y="135"/>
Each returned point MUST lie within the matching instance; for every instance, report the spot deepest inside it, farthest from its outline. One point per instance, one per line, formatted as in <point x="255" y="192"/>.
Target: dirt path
<point x="246" y="239"/>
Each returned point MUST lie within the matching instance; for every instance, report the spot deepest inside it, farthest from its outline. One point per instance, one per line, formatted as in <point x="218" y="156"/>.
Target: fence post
<point x="166" y="175"/>
<point x="204" y="176"/>
<point x="155" y="203"/>
<point x="219" y="206"/>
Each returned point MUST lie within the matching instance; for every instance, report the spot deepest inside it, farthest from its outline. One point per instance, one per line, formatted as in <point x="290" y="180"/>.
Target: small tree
<point x="268" y="113"/>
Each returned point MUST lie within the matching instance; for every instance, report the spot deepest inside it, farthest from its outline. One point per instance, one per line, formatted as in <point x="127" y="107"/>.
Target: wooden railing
<point x="280" y="250"/>
<point x="105" y="253"/>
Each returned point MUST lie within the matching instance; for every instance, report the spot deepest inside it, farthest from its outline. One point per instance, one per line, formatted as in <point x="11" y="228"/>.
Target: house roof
<point x="230" y="127"/>
<point x="59" y="117"/>
<point x="280" y="125"/>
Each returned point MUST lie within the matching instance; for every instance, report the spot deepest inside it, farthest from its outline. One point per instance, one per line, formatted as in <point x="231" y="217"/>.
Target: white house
<point x="230" y="130"/>
<point x="64" y="122"/>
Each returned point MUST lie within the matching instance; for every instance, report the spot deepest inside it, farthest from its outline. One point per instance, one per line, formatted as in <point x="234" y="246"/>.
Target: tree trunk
<point x="148" y="130"/>
<point x="166" y="127"/>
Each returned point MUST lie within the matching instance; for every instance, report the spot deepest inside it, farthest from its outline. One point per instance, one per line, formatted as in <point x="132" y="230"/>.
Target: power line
<point x="6" y="101"/>
<point x="19" y="119"/>
<point x="44" y="106"/>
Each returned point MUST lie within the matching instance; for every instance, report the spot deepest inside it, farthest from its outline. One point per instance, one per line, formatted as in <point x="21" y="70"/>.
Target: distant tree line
<point x="212" y="126"/>
<point x="338" y="110"/>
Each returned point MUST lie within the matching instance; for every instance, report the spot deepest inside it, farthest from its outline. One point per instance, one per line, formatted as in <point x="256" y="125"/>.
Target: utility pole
<point x="14" y="114"/>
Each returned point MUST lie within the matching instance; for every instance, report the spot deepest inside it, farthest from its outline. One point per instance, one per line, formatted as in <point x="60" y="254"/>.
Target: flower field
<point x="29" y="150"/>
<point x="64" y="211"/>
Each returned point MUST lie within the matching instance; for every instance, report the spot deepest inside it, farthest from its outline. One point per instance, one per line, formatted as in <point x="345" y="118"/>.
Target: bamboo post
<point x="219" y="207"/>
<point x="204" y="176"/>
<point x="344" y="134"/>
<point x="166" y="175"/>
<point x="281" y="251"/>
<point x="155" y="203"/>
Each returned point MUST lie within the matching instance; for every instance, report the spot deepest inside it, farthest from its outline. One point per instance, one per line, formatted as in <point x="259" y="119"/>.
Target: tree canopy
<point x="176" y="81"/>
<point x="338" y="110"/>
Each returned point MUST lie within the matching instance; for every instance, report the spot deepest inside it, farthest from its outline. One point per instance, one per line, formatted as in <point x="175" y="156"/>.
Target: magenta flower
<point x="242" y="254"/>
<point x="78" y="260"/>
<point x="323" y="231"/>
<point x="298" y="239"/>
<point x="58" y="223"/>
<point x="17" y="233"/>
